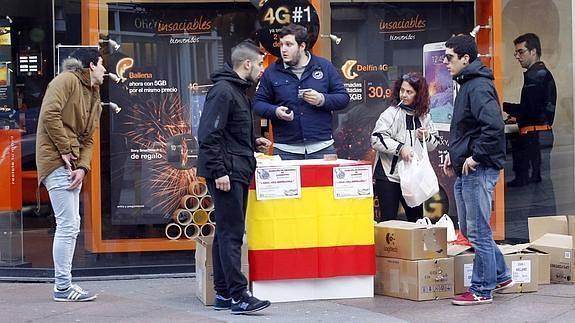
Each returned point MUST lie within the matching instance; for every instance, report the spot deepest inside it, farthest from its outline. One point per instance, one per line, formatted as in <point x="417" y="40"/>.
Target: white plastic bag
<point x="445" y="221"/>
<point x="417" y="178"/>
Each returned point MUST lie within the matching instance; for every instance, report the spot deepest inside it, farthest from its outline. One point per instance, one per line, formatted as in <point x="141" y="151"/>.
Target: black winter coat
<point x="225" y="134"/>
<point x="477" y="127"/>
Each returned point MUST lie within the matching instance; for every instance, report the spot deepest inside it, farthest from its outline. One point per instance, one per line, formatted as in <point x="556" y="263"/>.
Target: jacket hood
<point x="227" y="73"/>
<point x="74" y="65"/>
<point x="473" y="70"/>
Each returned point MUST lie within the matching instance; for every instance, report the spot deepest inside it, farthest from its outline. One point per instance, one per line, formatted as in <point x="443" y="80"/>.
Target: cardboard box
<point x="560" y="249"/>
<point x="558" y="224"/>
<point x="410" y="241"/>
<point x="462" y="267"/>
<point x="544" y="268"/>
<point x="414" y="279"/>
<point x="205" y="270"/>
<point x="524" y="271"/>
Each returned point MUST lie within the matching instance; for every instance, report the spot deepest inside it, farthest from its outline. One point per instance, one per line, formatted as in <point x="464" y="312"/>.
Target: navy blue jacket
<point x="477" y="127"/>
<point x="279" y="86"/>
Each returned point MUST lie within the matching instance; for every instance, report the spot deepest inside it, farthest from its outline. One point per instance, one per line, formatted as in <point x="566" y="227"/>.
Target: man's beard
<point x="295" y="60"/>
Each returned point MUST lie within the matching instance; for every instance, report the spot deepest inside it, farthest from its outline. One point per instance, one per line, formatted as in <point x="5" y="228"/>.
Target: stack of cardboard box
<point x="412" y="261"/>
<point x="205" y="270"/>
<point x="554" y="235"/>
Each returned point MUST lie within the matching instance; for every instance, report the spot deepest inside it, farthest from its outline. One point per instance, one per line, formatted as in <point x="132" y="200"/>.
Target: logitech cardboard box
<point x="205" y="270"/>
<point x="417" y="280"/>
<point x="410" y="241"/>
<point x="558" y="224"/>
<point x="560" y="249"/>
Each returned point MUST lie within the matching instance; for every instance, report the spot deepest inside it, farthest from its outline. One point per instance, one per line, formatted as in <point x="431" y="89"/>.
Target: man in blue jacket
<point x="476" y="155"/>
<point x="298" y="94"/>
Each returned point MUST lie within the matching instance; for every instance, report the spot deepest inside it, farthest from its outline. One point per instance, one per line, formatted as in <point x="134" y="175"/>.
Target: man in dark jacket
<point x="298" y="94"/>
<point x="476" y="155"/>
<point x="226" y="159"/>
<point x="534" y="113"/>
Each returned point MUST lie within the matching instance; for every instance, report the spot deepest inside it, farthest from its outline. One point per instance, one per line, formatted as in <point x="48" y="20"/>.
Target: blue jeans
<point x="473" y="196"/>
<point x="66" y="206"/>
<point x="315" y="155"/>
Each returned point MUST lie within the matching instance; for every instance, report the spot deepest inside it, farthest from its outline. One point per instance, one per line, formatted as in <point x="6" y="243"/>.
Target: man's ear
<point x="304" y="44"/>
<point x="91" y="66"/>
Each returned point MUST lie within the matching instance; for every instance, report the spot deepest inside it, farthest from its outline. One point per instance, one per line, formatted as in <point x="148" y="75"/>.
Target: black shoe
<point x="248" y="304"/>
<point x="517" y="183"/>
<point x="221" y="303"/>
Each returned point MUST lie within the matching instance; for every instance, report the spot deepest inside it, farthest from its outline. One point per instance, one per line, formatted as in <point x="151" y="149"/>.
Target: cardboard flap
<point x="554" y="240"/>
<point x="511" y="249"/>
<point x="456" y="249"/>
<point x="400" y="225"/>
<point x="538" y="226"/>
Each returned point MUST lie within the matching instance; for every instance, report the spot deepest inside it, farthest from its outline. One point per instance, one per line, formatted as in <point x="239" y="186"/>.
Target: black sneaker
<point x="221" y="303"/>
<point x="248" y="304"/>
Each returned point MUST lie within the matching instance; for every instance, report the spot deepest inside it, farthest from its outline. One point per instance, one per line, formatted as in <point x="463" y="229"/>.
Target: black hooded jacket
<point x="477" y="127"/>
<point x="225" y="134"/>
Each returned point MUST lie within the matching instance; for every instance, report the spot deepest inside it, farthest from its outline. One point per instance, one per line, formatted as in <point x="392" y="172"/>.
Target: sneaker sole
<point x="222" y="308"/>
<point x="467" y="303"/>
<point x="75" y="300"/>
<point x="504" y="287"/>
<point x="252" y="311"/>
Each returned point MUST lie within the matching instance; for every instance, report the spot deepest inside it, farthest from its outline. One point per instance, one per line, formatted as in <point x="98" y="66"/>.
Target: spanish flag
<point x="315" y="236"/>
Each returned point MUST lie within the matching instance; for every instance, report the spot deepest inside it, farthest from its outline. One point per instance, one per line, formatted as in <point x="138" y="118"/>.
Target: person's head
<point x="460" y="50"/>
<point x="247" y="60"/>
<point x="527" y="49"/>
<point x="293" y="44"/>
<point x="412" y="90"/>
<point x="91" y="60"/>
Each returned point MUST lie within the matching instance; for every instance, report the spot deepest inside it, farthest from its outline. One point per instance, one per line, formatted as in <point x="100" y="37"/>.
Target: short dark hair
<point x="246" y="49"/>
<point x="531" y="41"/>
<point x="419" y="84"/>
<point x="298" y="31"/>
<point x="86" y="55"/>
<point x="463" y="44"/>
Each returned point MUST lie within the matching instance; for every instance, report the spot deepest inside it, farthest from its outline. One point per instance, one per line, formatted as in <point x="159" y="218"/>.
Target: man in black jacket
<point x="476" y="155"/>
<point x="226" y="159"/>
<point x="534" y="113"/>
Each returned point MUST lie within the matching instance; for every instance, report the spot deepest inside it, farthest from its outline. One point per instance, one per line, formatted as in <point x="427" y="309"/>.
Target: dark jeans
<point x="527" y="150"/>
<point x="315" y="155"/>
<point x="389" y="195"/>
<point x="230" y="213"/>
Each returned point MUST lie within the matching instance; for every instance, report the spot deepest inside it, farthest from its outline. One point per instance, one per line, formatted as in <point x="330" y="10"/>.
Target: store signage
<point x="352" y="182"/>
<point x="274" y="183"/>
<point x="274" y="14"/>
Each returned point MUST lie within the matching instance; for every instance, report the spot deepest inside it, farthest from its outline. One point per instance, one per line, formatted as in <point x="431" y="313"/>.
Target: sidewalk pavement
<point x="173" y="300"/>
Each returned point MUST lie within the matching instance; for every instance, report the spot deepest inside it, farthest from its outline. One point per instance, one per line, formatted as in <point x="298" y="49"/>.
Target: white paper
<point x="278" y="182"/>
<point x="352" y="182"/>
<point x="467" y="273"/>
<point x="521" y="271"/>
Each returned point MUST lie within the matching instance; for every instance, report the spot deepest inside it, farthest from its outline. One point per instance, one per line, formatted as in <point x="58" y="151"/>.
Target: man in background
<point x="298" y="94"/>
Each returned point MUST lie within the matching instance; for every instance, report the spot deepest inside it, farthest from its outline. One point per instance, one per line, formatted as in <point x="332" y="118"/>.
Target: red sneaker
<point x="503" y="285"/>
<point x="468" y="298"/>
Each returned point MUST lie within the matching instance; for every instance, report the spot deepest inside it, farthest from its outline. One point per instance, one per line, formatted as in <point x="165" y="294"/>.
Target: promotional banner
<point x="8" y="111"/>
<point x="380" y="43"/>
<point x="163" y="65"/>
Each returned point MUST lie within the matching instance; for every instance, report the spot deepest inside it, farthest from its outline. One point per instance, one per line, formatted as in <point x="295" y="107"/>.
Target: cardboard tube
<point x="198" y="189"/>
<point x="173" y="231"/>
<point x="212" y="217"/>
<point x="191" y="231"/>
<point x="207" y="230"/>
<point x="190" y="202"/>
<point x="182" y="216"/>
<point x="200" y="217"/>
<point x="206" y="203"/>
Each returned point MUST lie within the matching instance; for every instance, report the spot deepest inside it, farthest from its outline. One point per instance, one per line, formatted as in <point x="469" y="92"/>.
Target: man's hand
<point x="469" y="165"/>
<point x="406" y="154"/>
<point x="284" y="113"/>
<point x="420" y="133"/>
<point x="223" y="183"/>
<point x="447" y="168"/>
<point x="262" y="144"/>
<point x="313" y="97"/>
<point x="68" y="158"/>
<point x="76" y="177"/>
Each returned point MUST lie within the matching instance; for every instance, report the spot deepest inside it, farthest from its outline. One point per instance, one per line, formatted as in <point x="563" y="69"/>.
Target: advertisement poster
<point x="163" y="56"/>
<point x="400" y="38"/>
<point x="8" y="111"/>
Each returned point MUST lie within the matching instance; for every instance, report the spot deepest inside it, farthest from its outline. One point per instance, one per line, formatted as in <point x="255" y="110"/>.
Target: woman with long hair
<point x="393" y="139"/>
